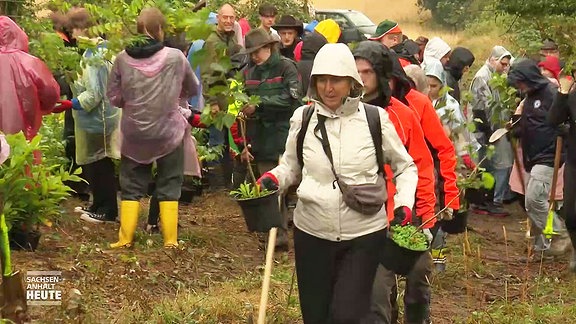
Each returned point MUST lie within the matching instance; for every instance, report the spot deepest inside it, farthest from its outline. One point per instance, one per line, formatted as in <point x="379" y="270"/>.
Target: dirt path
<point x="495" y="270"/>
<point x="216" y="248"/>
<point x="215" y="276"/>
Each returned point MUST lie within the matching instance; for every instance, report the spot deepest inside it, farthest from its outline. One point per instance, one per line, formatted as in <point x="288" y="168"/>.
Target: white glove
<point x="428" y="234"/>
<point x="447" y="214"/>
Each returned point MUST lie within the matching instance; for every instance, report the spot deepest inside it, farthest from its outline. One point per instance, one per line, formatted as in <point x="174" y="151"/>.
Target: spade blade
<point x="497" y="135"/>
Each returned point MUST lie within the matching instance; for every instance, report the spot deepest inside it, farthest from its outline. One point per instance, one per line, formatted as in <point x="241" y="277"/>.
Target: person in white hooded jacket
<point x="336" y="247"/>
<point x="436" y="48"/>
<point x="448" y="109"/>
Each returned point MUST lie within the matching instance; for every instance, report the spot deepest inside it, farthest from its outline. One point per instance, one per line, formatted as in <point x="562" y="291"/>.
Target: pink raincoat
<point x="519" y="177"/>
<point x="516" y="182"/>
<point x="148" y="90"/>
<point x="27" y="88"/>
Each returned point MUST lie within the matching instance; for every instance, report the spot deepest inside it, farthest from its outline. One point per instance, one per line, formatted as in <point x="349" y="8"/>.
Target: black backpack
<point x="373" y="118"/>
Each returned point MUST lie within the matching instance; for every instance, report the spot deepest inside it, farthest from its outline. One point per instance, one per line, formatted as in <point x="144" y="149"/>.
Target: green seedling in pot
<point x="249" y="191"/>
<point x="409" y="237"/>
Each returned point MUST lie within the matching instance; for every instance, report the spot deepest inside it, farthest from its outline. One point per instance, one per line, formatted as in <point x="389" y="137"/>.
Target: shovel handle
<point x="557" y="157"/>
<point x="267" y="275"/>
<point x="549" y="228"/>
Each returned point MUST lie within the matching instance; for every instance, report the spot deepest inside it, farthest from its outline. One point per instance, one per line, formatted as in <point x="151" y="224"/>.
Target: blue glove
<point x="76" y="104"/>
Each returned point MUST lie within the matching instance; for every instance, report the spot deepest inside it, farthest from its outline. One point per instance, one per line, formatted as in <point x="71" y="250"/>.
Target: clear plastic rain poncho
<point x="96" y="125"/>
<point x="149" y="90"/>
<point x="27" y="88"/>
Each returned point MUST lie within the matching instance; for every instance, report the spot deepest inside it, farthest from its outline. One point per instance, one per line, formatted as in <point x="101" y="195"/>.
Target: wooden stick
<point x="521" y="176"/>
<point x="249" y="163"/>
<point x="557" y="159"/>
<point x="267" y="275"/>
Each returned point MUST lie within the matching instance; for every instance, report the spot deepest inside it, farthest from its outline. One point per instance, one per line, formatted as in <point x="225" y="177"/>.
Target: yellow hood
<point x="329" y="29"/>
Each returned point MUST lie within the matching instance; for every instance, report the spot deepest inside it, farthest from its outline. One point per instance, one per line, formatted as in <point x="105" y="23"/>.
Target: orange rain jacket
<point x="441" y="148"/>
<point x="408" y="128"/>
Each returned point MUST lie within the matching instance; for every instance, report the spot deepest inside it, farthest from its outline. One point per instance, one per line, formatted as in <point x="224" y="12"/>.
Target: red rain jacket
<point x="408" y="128"/>
<point x="441" y="147"/>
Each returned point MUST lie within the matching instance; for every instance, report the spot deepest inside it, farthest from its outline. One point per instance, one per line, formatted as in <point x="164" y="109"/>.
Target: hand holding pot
<point x="402" y="216"/>
<point x="268" y="181"/>
<point x="446" y="214"/>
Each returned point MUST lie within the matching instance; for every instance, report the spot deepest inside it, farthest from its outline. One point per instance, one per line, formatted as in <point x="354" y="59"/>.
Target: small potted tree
<point x="31" y="192"/>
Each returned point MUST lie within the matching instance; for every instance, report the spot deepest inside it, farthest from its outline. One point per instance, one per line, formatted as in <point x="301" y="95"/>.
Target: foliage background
<point x="249" y="9"/>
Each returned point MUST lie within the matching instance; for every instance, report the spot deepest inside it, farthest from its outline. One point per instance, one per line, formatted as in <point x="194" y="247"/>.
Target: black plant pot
<point x="261" y="214"/>
<point x="186" y="196"/>
<point x="197" y="190"/>
<point x="23" y="240"/>
<point x="479" y="196"/>
<point x="398" y="259"/>
<point x="457" y="224"/>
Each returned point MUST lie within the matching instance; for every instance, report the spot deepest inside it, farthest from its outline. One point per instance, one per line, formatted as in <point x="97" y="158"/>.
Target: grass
<point x="215" y="276"/>
<point x="233" y="301"/>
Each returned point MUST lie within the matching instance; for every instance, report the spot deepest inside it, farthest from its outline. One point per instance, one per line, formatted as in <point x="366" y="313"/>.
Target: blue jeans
<point x="501" y="176"/>
<point x="502" y="190"/>
<point x="215" y="138"/>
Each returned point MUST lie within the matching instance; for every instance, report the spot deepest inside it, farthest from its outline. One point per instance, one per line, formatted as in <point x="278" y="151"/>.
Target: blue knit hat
<point x="311" y="25"/>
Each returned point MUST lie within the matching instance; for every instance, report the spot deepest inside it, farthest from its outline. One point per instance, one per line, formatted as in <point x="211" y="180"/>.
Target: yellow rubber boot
<point x="169" y="223"/>
<point x="128" y="222"/>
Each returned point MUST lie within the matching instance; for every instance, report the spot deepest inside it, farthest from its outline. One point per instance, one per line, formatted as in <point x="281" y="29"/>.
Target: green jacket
<point x="277" y="84"/>
<point x="216" y="45"/>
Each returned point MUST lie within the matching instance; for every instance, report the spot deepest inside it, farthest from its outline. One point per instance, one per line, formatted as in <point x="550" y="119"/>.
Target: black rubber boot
<point x="417" y="314"/>
<point x="572" y="265"/>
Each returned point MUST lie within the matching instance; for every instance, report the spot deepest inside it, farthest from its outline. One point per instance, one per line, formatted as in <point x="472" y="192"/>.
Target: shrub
<point x="31" y="192"/>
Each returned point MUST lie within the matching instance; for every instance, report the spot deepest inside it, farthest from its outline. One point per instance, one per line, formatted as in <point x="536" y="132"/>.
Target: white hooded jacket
<point x="321" y="211"/>
<point x="448" y="109"/>
<point x="436" y="48"/>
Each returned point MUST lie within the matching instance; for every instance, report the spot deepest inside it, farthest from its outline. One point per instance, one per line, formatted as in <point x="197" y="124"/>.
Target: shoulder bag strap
<point x="326" y="144"/>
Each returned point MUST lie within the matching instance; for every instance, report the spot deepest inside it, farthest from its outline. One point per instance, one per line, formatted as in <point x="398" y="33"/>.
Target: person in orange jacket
<point x="443" y="152"/>
<point x="374" y="64"/>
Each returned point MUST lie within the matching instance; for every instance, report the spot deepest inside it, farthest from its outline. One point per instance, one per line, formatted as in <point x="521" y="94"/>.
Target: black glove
<point x="268" y="181"/>
<point x="402" y="216"/>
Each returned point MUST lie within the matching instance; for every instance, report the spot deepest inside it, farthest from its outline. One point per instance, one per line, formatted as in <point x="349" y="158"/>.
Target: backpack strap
<point x="306" y="116"/>
<point x="373" y="118"/>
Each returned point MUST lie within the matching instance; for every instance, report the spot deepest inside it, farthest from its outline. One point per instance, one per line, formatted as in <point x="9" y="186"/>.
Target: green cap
<point x="386" y="27"/>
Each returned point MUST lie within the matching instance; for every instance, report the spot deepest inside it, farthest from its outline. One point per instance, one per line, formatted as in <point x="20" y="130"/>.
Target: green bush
<point x="31" y="193"/>
<point x="453" y="13"/>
